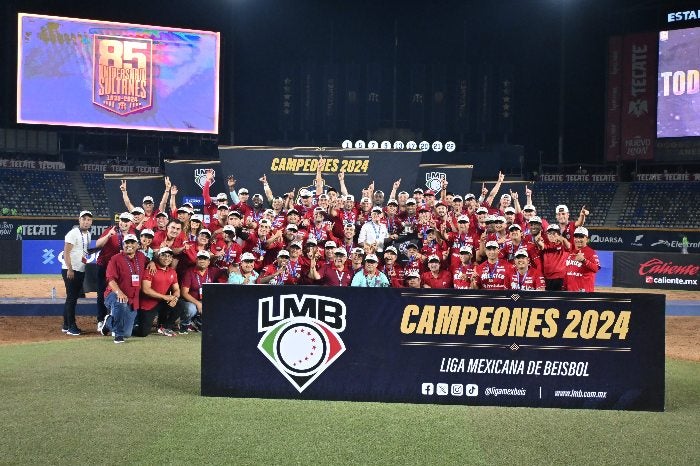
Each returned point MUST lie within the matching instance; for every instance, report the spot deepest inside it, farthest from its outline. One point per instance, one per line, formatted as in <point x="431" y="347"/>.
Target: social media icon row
<point x="437" y="146"/>
<point x="445" y="389"/>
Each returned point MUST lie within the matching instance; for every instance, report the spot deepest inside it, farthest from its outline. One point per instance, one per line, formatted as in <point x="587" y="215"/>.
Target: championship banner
<point x="656" y="271"/>
<point x="292" y="168"/>
<point x="430" y="176"/>
<point x="559" y="350"/>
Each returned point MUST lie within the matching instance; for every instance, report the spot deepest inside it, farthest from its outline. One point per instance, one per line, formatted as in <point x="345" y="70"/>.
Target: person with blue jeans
<point x="123" y="275"/>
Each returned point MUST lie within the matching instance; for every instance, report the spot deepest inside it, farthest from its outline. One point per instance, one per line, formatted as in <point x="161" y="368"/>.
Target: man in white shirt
<point x="75" y="254"/>
<point x="374" y="232"/>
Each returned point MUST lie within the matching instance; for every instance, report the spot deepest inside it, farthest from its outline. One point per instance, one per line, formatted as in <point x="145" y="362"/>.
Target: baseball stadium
<point x="195" y="197"/>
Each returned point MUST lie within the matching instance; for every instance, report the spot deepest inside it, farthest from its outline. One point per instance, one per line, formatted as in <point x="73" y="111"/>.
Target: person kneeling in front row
<point x="160" y="297"/>
<point x="123" y="276"/>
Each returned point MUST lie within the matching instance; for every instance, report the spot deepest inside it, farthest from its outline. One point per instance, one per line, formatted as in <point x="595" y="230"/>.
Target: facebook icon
<point x="427" y="389"/>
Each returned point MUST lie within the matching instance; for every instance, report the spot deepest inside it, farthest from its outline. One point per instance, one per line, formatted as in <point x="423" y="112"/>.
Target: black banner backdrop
<point x="189" y="177"/>
<point x="459" y="177"/>
<point x="478" y="348"/>
<point x="663" y="271"/>
<point x="290" y="168"/>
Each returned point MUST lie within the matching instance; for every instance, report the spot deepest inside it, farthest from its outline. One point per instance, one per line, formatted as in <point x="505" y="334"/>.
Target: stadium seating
<point x="96" y="188"/>
<point x="597" y="198"/>
<point x="37" y="192"/>
<point x="662" y="205"/>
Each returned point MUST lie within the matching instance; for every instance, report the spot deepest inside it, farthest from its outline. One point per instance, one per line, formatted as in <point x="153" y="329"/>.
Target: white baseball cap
<point x="581" y="231"/>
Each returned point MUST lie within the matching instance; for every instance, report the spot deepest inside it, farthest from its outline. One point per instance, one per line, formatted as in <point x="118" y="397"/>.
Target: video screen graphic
<point x="77" y="72"/>
<point x="678" y="101"/>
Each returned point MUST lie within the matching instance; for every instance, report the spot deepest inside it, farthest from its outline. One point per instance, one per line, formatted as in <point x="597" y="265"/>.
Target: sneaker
<point x="118" y="340"/>
<point x="192" y="329"/>
<point x="64" y="329"/>
<point x="166" y="332"/>
<point x="102" y="327"/>
<point x="183" y="330"/>
<point x="197" y="323"/>
<point x="73" y="331"/>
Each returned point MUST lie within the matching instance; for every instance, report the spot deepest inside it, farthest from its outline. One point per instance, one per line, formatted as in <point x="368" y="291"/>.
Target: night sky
<point x="260" y="35"/>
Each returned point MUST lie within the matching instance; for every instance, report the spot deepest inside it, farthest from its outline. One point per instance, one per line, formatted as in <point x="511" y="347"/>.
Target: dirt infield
<point x="682" y="333"/>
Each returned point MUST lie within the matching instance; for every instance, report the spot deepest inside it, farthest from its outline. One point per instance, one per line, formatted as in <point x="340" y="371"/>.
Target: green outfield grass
<point x="88" y="401"/>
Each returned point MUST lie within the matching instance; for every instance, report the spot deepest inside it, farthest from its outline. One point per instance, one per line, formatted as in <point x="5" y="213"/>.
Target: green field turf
<point x="88" y="401"/>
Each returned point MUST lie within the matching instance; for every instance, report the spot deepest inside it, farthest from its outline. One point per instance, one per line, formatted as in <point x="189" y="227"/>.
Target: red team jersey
<point x="443" y="280"/>
<point x="530" y="280"/>
<point x="161" y="281"/>
<point x="493" y="276"/>
<point x="580" y="276"/>
<point x="462" y="276"/>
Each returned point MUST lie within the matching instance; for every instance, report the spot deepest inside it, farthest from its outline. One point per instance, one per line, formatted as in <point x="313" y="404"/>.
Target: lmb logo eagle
<point x="301" y="337"/>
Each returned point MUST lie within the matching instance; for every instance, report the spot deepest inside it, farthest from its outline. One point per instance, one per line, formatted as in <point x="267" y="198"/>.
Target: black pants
<point x="102" y="311"/>
<point x="144" y="322"/>
<point x="554" y="284"/>
<point x="73" y="289"/>
<point x="167" y="317"/>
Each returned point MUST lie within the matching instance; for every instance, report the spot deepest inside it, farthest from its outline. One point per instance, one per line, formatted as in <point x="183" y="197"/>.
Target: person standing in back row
<point x="75" y="254"/>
